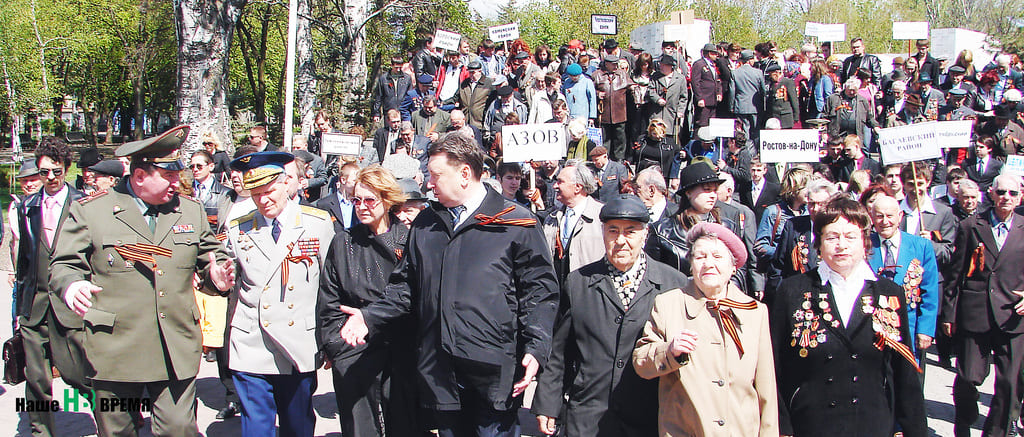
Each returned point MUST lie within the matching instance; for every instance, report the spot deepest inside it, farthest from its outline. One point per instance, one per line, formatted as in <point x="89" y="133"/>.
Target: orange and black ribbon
<point x="222" y="236"/>
<point x="297" y="259"/>
<point x="729" y="318"/>
<point x="977" y="260"/>
<point x="882" y="340"/>
<point x="487" y="220"/>
<point x="143" y="252"/>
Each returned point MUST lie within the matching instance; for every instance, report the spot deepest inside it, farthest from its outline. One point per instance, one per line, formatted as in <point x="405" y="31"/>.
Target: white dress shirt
<point x="845" y="291"/>
<point x="472" y="204"/>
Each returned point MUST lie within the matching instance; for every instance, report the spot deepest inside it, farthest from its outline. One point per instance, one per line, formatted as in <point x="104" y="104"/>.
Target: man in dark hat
<point x="505" y="104"/>
<point x="957" y="105"/>
<point x="273" y="348"/>
<point x="612" y="84"/>
<point x="522" y="71"/>
<point x="931" y="98"/>
<point x="87" y="158"/>
<point x="955" y="80"/>
<point x="475" y="94"/>
<point x="670" y="97"/>
<point x="414" y="98"/>
<point x="607" y="398"/>
<point x="611" y="47"/>
<point x="391" y="88"/>
<point x="125" y="260"/>
<point x="1008" y="134"/>
<point x="108" y="173"/>
<point x="415" y="201"/>
<point x="706" y="83"/>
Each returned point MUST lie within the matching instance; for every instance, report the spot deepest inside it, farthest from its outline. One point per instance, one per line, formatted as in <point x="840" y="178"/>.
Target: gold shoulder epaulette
<point x="316" y="212"/>
<point x="243" y="219"/>
<point x="92" y="197"/>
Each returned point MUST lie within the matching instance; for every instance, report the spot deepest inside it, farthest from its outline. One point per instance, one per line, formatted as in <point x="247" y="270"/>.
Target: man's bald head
<point x="1005" y="194"/>
<point x="886" y="216"/>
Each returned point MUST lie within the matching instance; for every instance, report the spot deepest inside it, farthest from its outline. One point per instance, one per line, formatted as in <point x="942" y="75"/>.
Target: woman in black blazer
<point x="842" y="351"/>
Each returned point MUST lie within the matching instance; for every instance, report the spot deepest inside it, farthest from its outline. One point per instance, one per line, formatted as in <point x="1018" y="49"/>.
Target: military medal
<point x="912" y="283"/>
<point x="110" y="260"/>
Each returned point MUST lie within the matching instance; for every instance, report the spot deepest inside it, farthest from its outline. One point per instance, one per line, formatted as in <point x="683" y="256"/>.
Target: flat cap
<point x="746" y="55"/>
<point x="304" y="156"/>
<point x="28" y="168"/>
<point x="959" y="92"/>
<point x="611" y="58"/>
<point x="1012" y="95"/>
<point x="731" y="241"/>
<point x="261" y="168"/>
<point x="475" y="65"/>
<point x="709" y="48"/>
<point x="522" y="55"/>
<point x="773" y="67"/>
<point x="411" y="189"/>
<point x="667" y="60"/>
<point x="504" y="90"/>
<point x="161" y="151"/>
<point x="1003" y="112"/>
<point x="425" y="79"/>
<point x="704" y="134"/>
<point x="624" y="207"/>
<point x="109" y="167"/>
<point x="574" y="70"/>
<point x="956" y="69"/>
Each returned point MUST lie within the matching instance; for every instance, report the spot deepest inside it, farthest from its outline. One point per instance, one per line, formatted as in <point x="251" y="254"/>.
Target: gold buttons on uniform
<point x="266" y="306"/>
<point x="266" y="324"/>
<point x="291" y="322"/>
<point x="159" y="272"/>
<point x="291" y="287"/>
<point x="291" y="305"/>
<point x="161" y="293"/>
<point x="163" y="316"/>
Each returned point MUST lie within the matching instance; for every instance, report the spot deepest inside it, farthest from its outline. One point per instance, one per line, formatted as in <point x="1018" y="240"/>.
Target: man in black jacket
<point x="52" y="332"/>
<point x="599" y="321"/>
<point x="860" y="59"/>
<point x="478" y="276"/>
<point x="390" y="89"/>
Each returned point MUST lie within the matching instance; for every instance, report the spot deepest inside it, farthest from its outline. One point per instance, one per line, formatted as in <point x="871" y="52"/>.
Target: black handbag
<point x="14" y="360"/>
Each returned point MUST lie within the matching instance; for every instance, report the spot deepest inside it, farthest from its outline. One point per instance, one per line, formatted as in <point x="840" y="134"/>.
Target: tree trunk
<point x="204" y="30"/>
<point x="354" y="68"/>
<point x="305" y="79"/>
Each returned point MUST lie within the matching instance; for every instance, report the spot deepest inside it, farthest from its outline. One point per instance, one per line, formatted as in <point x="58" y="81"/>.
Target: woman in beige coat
<point x="710" y="345"/>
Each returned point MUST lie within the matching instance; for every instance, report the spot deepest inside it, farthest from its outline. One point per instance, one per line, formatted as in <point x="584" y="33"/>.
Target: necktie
<point x="981" y="166"/>
<point x="51" y="215"/>
<point x="1001" y="232"/>
<point x="723" y="307"/>
<point x="567" y="225"/>
<point x="456" y="214"/>
<point x="151" y="214"/>
<point x="275" y="231"/>
<point x="889" y="269"/>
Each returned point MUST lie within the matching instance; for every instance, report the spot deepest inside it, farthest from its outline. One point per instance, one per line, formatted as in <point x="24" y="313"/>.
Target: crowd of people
<point x="661" y="281"/>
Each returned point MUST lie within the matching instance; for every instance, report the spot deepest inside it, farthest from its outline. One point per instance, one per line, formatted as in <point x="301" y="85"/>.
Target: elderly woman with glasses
<point x="841" y="340"/>
<point x="358" y="264"/>
<point x="709" y="344"/>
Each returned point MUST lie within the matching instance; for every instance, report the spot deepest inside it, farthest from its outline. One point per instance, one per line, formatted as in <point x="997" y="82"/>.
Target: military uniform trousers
<point x="173" y="403"/>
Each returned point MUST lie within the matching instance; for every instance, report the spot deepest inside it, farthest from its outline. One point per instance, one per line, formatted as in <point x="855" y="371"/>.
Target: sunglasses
<point x="1013" y="193"/>
<point x="195" y="166"/>
<point x="56" y="172"/>
<point x="370" y="202"/>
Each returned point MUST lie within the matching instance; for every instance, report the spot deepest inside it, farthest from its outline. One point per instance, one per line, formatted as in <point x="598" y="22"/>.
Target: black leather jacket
<point x="667" y="243"/>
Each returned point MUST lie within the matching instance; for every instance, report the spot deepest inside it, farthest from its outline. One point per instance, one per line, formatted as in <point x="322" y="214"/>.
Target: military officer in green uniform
<point x="124" y="260"/>
<point x="280" y="249"/>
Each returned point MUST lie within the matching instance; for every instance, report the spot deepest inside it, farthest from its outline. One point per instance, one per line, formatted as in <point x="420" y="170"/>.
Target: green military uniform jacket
<point x="144" y="325"/>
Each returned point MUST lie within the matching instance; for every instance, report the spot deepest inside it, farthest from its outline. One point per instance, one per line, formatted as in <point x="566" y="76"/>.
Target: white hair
<point x="851" y="84"/>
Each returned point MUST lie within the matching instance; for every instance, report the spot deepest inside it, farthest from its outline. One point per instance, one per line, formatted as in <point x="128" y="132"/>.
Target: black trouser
<point x="359" y="392"/>
<point x="702" y="117"/>
<point x="223" y="371"/>
<point x="615" y="140"/>
<point x="975" y="353"/>
<point x="38" y="376"/>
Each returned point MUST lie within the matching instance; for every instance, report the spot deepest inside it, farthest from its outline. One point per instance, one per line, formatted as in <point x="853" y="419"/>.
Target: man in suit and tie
<point x="983" y="167"/>
<point x="573" y="232"/>
<point x="918" y="207"/>
<point x="280" y="249"/>
<point x="125" y="260"/>
<point x="982" y="308"/>
<point x="653" y="191"/>
<point x="762" y="191"/>
<point x="909" y="261"/>
<point x="706" y="85"/>
<point x="387" y="134"/>
<point x="748" y="96"/>
<point x="337" y="204"/>
<point x="610" y="174"/>
<point x="52" y="333"/>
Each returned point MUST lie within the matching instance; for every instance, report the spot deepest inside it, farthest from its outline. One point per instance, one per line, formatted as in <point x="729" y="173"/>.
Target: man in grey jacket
<point x="748" y="95"/>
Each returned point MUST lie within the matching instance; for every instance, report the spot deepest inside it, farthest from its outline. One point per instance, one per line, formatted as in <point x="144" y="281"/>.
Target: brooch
<point x="809" y="329"/>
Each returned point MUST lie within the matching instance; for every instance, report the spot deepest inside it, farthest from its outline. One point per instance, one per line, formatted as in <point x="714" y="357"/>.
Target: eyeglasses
<point x="56" y="172"/>
<point x="195" y="166"/>
<point x="370" y="202"/>
<point x="1013" y="193"/>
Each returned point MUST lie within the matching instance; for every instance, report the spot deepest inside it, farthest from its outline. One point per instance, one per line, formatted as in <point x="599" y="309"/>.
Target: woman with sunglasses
<point x="359" y="262"/>
<point x="654" y="149"/>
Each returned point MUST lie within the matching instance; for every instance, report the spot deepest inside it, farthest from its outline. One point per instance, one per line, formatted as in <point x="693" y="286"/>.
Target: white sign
<point x="533" y="142"/>
<point x="811" y="28"/>
<point x="722" y="127"/>
<point x="596" y="135"/>
<point x="505" y="32"/>
<point x="832" y="32"/>
<point x="790" y="145"/>
<point x="676" y="32"/>
<point x="1014" y="165"/>
<point x="444" y="39"/>
<point x="910" y="30"/>
<point x="341" y="144"/>
<point x="954" y="134"/>
<point x="913" y="142"/>
<point x="604" y="24"/>
<point x="650" y="36"/>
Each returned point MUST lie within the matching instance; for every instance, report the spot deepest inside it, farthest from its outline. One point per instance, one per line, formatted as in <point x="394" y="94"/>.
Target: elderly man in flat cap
<point x="280" y="249"/>
<point x="603" y="310"/>
<point x="124" y="259"/>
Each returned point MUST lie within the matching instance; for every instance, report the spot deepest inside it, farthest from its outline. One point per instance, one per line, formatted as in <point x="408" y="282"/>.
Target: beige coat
<point x="586" y="244"/>
<point x="713" y="392"/>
